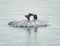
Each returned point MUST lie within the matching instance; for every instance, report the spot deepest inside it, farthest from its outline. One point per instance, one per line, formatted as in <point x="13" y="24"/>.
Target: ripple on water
<point x="26" y="23"/>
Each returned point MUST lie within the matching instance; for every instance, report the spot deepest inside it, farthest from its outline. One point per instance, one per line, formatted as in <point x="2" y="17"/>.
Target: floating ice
<point x="26" y="23"/>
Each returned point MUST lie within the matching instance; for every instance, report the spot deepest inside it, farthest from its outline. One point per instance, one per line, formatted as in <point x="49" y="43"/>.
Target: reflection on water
<point x="31" y="38"/>
<point x="34" y="28"/>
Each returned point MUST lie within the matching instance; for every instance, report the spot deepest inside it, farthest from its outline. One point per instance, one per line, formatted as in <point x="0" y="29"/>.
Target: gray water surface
<point x="48" y="10"/>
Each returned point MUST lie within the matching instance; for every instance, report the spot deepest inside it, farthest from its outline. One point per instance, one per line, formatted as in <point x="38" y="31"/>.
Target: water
<point x="48" y="10"/>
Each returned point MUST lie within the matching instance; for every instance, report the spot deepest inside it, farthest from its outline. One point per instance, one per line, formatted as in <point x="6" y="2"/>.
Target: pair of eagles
<point x="29" y="15"/>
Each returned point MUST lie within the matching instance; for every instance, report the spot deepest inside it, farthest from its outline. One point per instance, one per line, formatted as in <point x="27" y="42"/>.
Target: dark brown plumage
<point x="29" y="15"/>
<point x="35" y="17"/>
